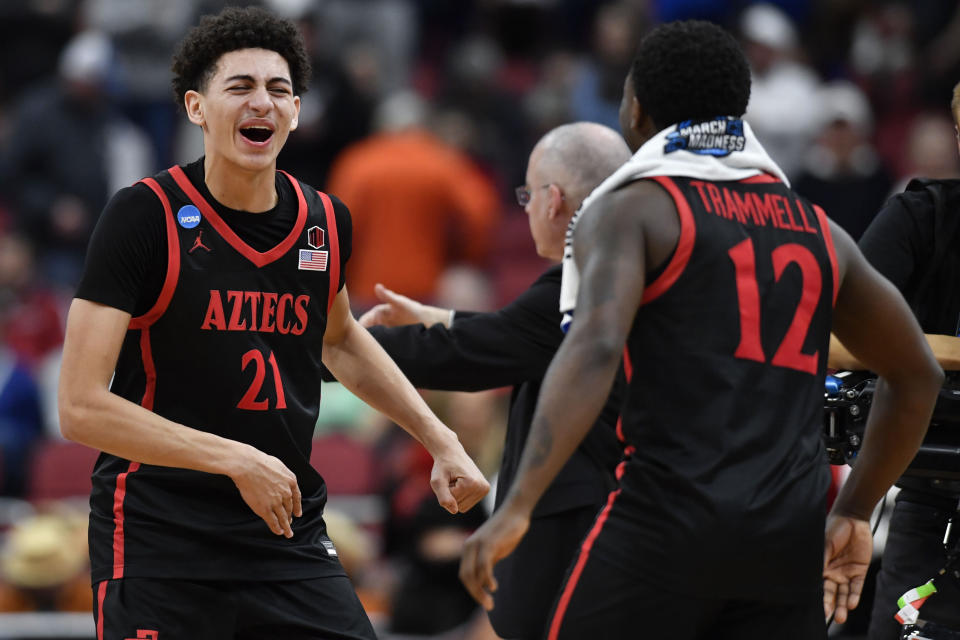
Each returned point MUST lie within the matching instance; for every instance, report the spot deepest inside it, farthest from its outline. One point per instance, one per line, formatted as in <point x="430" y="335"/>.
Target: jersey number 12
<point x="789" y="353"/>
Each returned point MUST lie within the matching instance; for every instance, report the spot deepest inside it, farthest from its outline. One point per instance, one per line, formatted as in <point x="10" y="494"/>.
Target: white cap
<point x="403" y="109"/>
<point x="766" y="24"/>
<point x="843" y="100"/>
<point x="86" y="57"/>
<point x="290" y="9"/>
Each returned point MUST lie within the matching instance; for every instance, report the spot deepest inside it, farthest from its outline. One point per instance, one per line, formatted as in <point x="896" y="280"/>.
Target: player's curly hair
<point x="690" y="70"/>
<point x="195" y="61"/>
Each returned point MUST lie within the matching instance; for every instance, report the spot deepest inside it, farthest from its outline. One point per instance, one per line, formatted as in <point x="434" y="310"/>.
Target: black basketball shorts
<point x="162" y="609"/>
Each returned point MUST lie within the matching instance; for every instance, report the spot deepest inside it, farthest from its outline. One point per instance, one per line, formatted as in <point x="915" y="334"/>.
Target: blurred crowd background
<point x="420" y="117"/>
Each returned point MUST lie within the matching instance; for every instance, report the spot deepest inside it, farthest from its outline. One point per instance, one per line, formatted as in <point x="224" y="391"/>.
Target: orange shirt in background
<point x="418" y="205"/>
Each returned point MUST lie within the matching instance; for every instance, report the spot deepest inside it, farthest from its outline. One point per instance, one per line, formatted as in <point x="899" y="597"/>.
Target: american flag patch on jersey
<point x="313" y="260"/>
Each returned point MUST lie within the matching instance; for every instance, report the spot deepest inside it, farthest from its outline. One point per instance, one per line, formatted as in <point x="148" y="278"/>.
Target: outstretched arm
<point x="484" y="350"/>
<point x="874" y="322"/>
<point x="396" y="310"/>
<point x="92" y="415"/>
<point x="611" y="255"/>
<point x="361" y="365"/>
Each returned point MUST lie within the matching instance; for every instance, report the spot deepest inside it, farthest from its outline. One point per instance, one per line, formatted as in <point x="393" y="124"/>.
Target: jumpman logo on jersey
<point x="198" y="243"/>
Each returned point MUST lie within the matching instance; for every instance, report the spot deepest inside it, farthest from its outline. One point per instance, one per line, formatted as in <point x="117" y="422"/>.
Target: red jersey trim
<point x="763" y="178"/>
<point x="118" y="537"/>
<point x="628" y="372"/>
<point x="101" y="596"/>
<point x="173" y="263"/>
<point x="149" y="393"/>
<point x="831" y="251"/>
<point x="256" y="257"/>
<point x="681" y="255"/>
<point x="146" y="355"/>
<point x="334" y="249"/>
<point x="571" y="584"/>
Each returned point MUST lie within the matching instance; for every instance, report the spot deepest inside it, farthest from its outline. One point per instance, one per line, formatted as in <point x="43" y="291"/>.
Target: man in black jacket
<point x="913" y="242"/>
<point x="442" y="349"/>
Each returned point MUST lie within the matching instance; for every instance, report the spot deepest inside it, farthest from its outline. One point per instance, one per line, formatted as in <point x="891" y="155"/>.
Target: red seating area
<point x="347" y="465"/>
<point x="60" y="469"/>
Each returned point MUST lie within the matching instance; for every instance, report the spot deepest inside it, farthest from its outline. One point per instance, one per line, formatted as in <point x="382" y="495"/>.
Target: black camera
<point x="847" y="399"/>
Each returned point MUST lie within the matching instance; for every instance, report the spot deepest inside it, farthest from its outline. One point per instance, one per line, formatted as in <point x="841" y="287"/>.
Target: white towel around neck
<point x="719" y="149"/>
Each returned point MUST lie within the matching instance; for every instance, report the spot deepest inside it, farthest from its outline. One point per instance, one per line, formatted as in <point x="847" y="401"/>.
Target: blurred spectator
<point x="883" y="61"/>
<point x="386" y="28"/>
<point x="598" y="86"/>
<point x="336" y="111"/>
<point x="473" y="85"/>
<point x="30" y="318"/>
<point x="882" y="40"/>
<point x="783" y="109"/>
<point x="941" y="53"/>
<point x="68" y="149"/>
<point x="418" y="205"/>
<point x="930" y="150"/>
<point x="842" y="171"/>
<point x="547" y="104"/>
<point x="144" y="34"/>
<point x="33" y="33"/>
<point x="43" y="565"/>
<point x="21" y="421"/>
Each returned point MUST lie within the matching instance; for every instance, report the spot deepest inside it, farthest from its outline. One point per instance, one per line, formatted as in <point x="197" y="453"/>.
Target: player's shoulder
<point x="138" y="193"/>
<point x="339" y="207"/>
<point x="644" y="198"/>
<point x="137" y="202"/>
<point x="921" y="196"/>
<point x="635" y="208"/>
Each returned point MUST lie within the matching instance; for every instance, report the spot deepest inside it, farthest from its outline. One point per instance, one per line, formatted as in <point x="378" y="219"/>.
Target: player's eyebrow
<point x="249" y="78"/>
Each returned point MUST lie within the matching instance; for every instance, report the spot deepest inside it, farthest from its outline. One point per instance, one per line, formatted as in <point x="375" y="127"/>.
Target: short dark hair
<point x="232" y="29"/>
<point x="690" y="70"/>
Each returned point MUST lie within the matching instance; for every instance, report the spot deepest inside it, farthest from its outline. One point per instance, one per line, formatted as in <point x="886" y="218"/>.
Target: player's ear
<point x="296" y="113"/>
<point x="636" y="114"/>
<point x="641" y="121"/>
<point x="193" y="104"/>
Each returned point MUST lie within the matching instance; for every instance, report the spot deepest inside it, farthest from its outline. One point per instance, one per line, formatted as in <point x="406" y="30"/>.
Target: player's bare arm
<point x="874" y="322"/>
<point x="92" y="415"/>
<point x="610" y="242"/>
<point x="360" y="364"/>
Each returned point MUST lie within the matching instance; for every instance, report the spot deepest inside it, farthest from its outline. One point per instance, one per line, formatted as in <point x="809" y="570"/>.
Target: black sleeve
<point x="482" y="350"/>
<point x="344" y="235"/>
<point x="900" y="239"/>
<point x="126" y="259"/>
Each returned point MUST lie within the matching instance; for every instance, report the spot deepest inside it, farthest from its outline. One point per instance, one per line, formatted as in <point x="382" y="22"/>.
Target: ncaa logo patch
<point x="188" y="216"/>
<point x="315" y="237"/>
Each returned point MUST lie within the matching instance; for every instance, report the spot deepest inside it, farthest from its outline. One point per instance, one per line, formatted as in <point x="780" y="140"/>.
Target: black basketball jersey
<point x="726" y="360"/>
<point x="232" y="347"/>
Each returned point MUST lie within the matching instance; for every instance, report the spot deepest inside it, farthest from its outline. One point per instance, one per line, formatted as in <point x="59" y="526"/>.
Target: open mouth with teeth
<point x="256" y="134"/>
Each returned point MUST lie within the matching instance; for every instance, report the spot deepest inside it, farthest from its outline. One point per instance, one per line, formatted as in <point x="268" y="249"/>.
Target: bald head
<point x="565" y="166"/>
<point x="578" y="157"/>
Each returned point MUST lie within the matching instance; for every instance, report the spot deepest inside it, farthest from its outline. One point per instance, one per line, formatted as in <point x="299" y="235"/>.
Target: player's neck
<point x="238" y="188"/>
